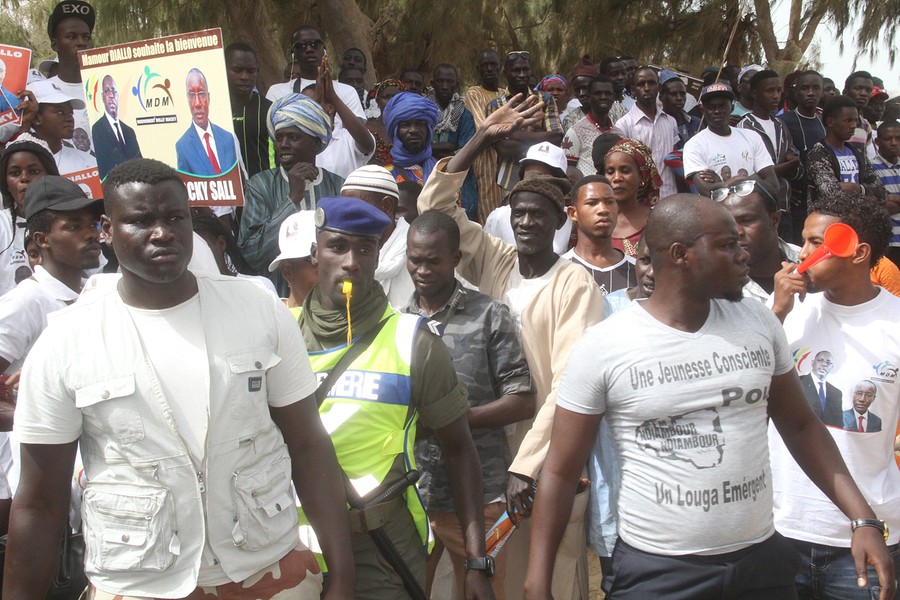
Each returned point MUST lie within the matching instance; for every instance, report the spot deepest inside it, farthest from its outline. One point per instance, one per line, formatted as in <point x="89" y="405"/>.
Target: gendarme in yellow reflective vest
<point x="367" y="413"/>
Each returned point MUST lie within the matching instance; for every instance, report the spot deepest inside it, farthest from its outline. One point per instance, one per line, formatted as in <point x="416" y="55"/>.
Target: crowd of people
<point x="588" y="305"/>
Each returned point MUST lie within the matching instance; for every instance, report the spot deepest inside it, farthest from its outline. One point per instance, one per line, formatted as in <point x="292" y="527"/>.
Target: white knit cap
<point x="372" y="178"/>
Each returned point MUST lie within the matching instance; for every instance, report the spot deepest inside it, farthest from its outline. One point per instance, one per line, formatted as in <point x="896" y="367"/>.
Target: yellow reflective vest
<point x="367" y="414"/>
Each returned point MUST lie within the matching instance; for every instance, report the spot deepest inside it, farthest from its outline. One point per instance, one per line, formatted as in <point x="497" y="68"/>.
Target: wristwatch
<point x="876" y="523"/>
<point x="485" y="563"/>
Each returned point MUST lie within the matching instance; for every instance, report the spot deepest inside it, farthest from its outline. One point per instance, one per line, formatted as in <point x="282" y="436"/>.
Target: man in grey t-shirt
<point x="689" y="421"/>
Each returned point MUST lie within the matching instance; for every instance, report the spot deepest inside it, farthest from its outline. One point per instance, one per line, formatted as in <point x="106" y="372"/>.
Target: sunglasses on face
<point x="741" y="189"/>
<point x="310" y="44"/>
<point x="519" y="55"/>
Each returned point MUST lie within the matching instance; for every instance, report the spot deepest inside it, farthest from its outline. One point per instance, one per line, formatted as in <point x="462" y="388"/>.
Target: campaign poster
<point x="166" y="98"/>
<point x="14" y="63"/>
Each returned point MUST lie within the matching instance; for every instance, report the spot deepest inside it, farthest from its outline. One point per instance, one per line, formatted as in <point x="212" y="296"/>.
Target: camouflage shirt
<point x="481" y="336"/>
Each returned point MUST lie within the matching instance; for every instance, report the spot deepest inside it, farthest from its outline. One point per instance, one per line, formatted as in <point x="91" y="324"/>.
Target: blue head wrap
<point x="297" y="110"/>
<point x="407" y="106"/>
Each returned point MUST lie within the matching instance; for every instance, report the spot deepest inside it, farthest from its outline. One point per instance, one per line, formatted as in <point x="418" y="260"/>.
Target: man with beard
<point x="647" y="123"/>
<point x="487" y="66"/>
<point x="517" y="70"/>
<point x="579" y="140"/>
<point x="410" y="120"/>
<point x="685" y="530"/>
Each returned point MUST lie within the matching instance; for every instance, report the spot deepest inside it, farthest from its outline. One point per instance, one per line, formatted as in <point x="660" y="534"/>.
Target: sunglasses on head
<point x="519" y="55"/>
<point x="309" y="44"/>
<point x="741" y="189"/>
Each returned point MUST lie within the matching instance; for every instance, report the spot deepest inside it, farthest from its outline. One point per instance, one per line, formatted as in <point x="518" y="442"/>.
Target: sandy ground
<point x="594" y="577"/>
<point x="444" y="579"/>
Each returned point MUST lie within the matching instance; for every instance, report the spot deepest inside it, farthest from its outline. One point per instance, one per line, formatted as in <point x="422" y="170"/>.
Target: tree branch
<point x="766" y="29"/>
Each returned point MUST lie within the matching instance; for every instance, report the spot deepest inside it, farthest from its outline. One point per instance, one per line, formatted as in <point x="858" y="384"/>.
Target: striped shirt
<point x="489" y="193"/>
<point x="889" y="174"/>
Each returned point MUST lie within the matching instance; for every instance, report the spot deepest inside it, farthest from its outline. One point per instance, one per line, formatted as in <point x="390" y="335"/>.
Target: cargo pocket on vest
<point x="248" y="370"/>
<point x="129" y="527"/>
<point x="107" y="400"/>
<point x="263" y="503"/>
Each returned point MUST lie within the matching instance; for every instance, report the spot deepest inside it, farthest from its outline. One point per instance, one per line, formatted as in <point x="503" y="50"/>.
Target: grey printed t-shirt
<point x="481" y="337"/>
<point x="688" y="415"/>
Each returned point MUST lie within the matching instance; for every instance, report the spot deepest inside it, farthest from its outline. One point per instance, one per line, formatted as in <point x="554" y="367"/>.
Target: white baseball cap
<point x="547" y="153"/>
<point x="296" y="237"/>
<point x="47" y="92"/>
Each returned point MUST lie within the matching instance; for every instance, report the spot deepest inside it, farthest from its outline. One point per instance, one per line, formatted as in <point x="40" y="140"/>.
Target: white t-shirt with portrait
<point x="689" y="421"/>
<point x="740" y="153"/>
<point x="864" y="342"/>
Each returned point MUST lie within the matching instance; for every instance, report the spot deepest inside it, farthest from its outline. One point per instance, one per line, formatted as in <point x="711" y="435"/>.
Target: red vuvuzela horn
<point x="839" y="240"/>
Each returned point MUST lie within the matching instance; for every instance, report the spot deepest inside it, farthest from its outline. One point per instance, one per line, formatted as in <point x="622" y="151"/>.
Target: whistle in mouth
<point x="347" y="288"/>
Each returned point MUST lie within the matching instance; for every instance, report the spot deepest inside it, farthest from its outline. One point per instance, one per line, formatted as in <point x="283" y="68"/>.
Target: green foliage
<point x="684" y="34"/>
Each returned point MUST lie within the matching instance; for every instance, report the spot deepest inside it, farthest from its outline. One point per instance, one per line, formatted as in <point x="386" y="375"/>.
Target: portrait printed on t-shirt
<point x="860" y="418"/>
<point x="825" y="399"/>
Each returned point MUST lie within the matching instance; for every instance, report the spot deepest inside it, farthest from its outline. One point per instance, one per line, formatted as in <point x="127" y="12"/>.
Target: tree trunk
<point x="347" y="26"/>
<point x="254" y="22"/>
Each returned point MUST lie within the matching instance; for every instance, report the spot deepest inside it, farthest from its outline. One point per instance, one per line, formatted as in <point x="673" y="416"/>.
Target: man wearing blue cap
<point x="401" y="375"/>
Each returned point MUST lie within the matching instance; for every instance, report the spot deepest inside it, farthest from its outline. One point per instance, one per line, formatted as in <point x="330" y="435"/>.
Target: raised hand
<point x="516" y="114"/>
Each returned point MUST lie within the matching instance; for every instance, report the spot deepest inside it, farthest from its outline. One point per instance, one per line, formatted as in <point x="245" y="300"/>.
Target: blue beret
<point x="351" y="216"/>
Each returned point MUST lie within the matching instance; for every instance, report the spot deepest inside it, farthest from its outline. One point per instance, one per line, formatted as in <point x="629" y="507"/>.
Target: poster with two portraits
<point x="166" y="98"/>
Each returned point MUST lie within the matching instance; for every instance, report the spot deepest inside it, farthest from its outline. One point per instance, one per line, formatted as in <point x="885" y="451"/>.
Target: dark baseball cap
<point x="716" y="89"/>
<point x="71" y="8"/>
<point x="56" y="193"/>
